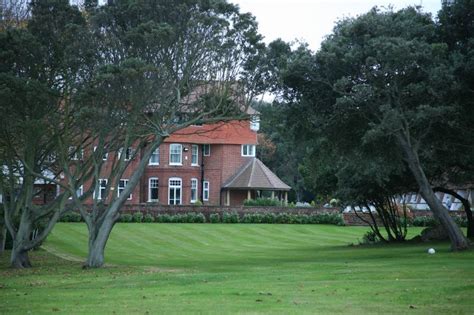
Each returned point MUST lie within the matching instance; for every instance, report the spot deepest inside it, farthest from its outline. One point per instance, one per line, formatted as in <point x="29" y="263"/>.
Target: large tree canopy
<point x="78" y="84"/>
<point x="373" y="99"/>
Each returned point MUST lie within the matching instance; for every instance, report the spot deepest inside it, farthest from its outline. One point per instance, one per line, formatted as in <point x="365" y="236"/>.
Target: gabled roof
<point x="255" y="175"/>
<point x="230" y="132"/>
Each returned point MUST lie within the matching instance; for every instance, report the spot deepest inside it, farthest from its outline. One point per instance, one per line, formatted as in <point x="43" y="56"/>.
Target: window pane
<point x="194" y="154"/>
<point x="206" y="149"/>
<point x="175" y="153"/>
<point x="193" y="190"/>
<point x="153" y="189"/>
<point x="155" y="157"/>
<point x="206" y="191"/>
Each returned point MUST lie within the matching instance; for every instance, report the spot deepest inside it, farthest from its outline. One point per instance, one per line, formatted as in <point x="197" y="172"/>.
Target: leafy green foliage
<point x="232" y="217"/>
<point x="71" y="217"/>
<point x="137" y="217"/>
<point x="148" y="218"/>
<point x="262" y="202"/>
<point x="214" y="218"/>
<point x="126" y="218"/>
<point x="425" y="221"/>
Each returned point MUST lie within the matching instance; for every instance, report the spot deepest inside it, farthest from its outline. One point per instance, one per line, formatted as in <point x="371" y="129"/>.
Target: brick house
<point x="198" y="163"/>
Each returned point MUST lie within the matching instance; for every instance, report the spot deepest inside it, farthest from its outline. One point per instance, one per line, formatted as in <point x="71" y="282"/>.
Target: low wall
<point x="207" y="210"/>
<point x="349" y="218"/>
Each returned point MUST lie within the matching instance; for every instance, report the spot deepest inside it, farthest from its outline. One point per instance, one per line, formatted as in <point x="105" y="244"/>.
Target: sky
<point x="311" y="20"/>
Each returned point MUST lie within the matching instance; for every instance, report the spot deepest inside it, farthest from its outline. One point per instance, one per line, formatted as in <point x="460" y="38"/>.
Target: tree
<point x="161" y="68"/>
<point x="43" y="61"/>
<point x="451" y="165"/>
<point x="381" y="78"/>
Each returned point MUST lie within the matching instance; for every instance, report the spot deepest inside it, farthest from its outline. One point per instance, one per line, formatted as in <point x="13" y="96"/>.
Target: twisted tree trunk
<point x="458" y="241"/>
<point x="19" y="256"/>
<point x="98" y="236"/>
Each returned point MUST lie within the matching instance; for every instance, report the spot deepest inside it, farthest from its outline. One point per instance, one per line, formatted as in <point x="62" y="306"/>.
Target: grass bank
<point x="204" y="268"/>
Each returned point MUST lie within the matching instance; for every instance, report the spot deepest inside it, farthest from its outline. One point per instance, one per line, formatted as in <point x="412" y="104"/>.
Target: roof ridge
<point x="265" y="173"/>
<point x="251" y="172"/>
<point x="237" y="174"/>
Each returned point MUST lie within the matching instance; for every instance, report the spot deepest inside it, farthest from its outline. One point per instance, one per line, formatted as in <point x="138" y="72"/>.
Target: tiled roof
<point x="255" y="175"/>
<point x="230" y="132"/>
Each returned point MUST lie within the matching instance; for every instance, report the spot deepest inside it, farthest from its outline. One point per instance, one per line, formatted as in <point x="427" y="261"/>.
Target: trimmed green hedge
<point x="233" y="217"/>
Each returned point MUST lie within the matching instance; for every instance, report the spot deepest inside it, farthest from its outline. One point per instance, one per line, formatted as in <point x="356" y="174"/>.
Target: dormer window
<point x="248" y="150"/>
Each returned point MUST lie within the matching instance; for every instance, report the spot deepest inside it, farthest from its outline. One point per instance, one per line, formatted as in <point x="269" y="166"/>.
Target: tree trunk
<point x="467" y="208"/>
<point x="98" y="237"/>
<point x="19" y="258"/>
<point x="3" y="238"/>
<point x="458" y="241"/>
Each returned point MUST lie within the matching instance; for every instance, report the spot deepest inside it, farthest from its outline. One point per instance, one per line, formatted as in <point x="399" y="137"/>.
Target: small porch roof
<point x="255" y="176"/>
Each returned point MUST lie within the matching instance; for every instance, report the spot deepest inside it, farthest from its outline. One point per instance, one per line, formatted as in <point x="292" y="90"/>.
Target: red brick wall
<point x="223" y="162"/>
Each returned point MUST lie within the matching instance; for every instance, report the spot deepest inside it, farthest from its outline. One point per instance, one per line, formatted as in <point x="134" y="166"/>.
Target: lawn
<point x="238" y="268"/>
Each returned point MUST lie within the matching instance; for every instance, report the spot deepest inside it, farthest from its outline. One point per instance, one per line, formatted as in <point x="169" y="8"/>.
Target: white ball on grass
<point x="431" y="251"/>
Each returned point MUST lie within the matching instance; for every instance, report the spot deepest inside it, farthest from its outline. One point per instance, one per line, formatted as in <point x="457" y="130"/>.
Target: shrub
<point x="283" y="218"/>
<point x="137" y="217"/>
<point x="461" y="221"/>
<point x="262" y="202"/>
<point x="179" y="218"/>
<point x="148" y="218"/>
<point x="425" y="221"/>
<point x="214" y="218"/>
<point x="252" y="218"/>
<point x="163" y="218"/>
<point x="268" y="218"/>
<point x="126" y="218"/>
<point x="192" y="217"/>
<point x="369" y="238"/>
<point x="189" y="217"/>
<point x="200" y="218"/>
<point x="230" y="217"/>
<point x="71" y="217"/>
<point x="197" y="203"/>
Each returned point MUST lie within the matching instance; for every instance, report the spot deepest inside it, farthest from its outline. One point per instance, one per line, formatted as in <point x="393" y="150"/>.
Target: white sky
<point x="311" y="20"/>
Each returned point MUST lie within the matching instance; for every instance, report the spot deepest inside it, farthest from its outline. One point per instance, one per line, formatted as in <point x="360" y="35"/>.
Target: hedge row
<point x="233" y="217"/>
<point x="429" y="221"/>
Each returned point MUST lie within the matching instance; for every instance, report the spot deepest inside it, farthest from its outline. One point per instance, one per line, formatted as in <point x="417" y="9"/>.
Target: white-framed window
<point x="153" y="189"/>
<point x="128" y="154"/>
<point x="248" y="150"/>
<point x="105" y="156"/>
<point x="76" y="154"/>
<point x="155" y="157"/>
<point x="206" y="149"/>
<point x="194" y="190"/>
<point x="205" y="189"/>
<point x="121" y="187"/>
<point x="99" y="192"/>
<point x="176" y="151"/>
<point x="79" y="192"/>
<point x="194" y="154"/>
<point x="175" y="186"/>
